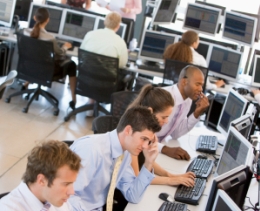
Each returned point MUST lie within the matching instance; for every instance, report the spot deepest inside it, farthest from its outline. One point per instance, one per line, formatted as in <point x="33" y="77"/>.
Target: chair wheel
<point x="27" y="97"/>
<point x="56" y="113"/>
<point x="7" y="100"/>
<point x="66" y="118"/>
<point x="25" y="110"/>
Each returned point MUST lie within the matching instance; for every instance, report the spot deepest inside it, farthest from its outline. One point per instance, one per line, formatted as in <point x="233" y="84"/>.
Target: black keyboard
<point x="207" y="144"/>
<point x="201" y="167"/>
<point x="150" y="67"/>
<point x="190" y="195"/>
<point x="170" y="206"/>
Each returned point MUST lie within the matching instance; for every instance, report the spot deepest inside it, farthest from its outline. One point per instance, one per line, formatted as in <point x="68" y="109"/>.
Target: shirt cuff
<point x="160" y="146"/>
<point x="192" y="119"/>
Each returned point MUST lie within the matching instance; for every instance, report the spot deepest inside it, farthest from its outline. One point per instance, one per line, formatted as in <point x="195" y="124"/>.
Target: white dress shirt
<point x="257" y="97"/>
<point x="22" y="199"/>
<point x="183" y="124"/>
<point x="106" y="42"/>
<point x="98" y="154"/>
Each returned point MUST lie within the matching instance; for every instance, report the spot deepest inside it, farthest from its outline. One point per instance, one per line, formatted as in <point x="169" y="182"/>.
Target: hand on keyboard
<point x="186" y="179"/>
<point x="176" y="152"/>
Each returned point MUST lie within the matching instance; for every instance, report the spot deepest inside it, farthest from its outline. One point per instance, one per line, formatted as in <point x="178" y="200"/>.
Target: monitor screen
<point x="235" y="183"/>
<point x="224" y="203"/>
<point x="239" y="28"/>
<point x="224" y="62"/>
<point x="55" y="17"/>
<point x="22" y="9"/>
<point x="165" y="11"/>
<point x="153" y="45"/>
<point x="202" y="18"/>
<point x="129" y="29"/>
<point x="100" y="25"/>
<point x="234" y="107"/>
<point x="75" y="25"/>
<point x="7" y="12"/>
<point x="237" y="151"/>
<point x="203" y="49"/>
<point x="244" y="125"/>
<point x="256" y="72"/>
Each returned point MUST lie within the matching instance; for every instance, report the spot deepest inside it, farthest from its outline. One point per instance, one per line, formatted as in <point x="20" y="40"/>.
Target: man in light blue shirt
<point x="135" y="133"/>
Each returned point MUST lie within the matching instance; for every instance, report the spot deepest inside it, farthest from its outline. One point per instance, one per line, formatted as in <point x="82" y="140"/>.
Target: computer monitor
<point x="100" y="25"/>
<point x="203" y="49"/>
<point x="165" y="11"/>
<point x="234" y="182"/>
<point x="7" y="12"/>
<point x="53" y="3"/>
<point x="153" y="45"/>
<point x="256" y="72"/>
<point x="55" y="17"/>
<point x="256" y="52"/>
<point x="234" y="107"/>
<point x="75" y="25"/>
<point x="202" y="18"/>
<point x="224" y="62"/>
<point x="244" y="125"/>
<point x="239" y="28"/>
<point x="223" y="9"/>
<point x="129" y="33"/>
<point x="22" y="9"/>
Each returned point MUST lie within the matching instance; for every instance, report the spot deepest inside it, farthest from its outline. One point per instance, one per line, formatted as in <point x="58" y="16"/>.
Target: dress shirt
<point x="22" y="199"/>
<point x="257" y="97"/>
<point x="106" y="42"/>
<point x="98" y="155"/>
<point x="135" y="7"/>
<point x="183" y="124"/>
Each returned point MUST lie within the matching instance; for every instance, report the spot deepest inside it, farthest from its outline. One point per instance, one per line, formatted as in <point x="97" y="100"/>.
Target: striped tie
<point x="110" y="194"/>
<point x="46" y="206"/>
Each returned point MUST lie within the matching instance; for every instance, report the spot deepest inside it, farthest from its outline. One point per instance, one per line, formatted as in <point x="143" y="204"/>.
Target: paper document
<point x="116" y="5"/>
<point x="102" y="3"/>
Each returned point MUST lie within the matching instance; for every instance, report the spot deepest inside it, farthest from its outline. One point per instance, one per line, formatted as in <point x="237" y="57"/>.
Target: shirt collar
<point x="116" y="148"/>
<point x="109" y="30"/>
<point x="178" y="97"/>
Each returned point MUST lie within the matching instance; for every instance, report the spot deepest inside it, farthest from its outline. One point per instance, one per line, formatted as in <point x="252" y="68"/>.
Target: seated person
<point x="68" y="67"/>
<point x="48" y="180"/>
<point x="161" y="103"/>
<point x="184" y="51"/>
<point x="135" y="132"/>
<point x="78" y="3"/>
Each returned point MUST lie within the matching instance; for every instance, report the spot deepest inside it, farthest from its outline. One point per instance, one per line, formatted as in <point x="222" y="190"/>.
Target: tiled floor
<point x="20" y="132"/>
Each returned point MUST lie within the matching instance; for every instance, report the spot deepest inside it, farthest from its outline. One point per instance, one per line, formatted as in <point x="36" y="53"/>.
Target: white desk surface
<point x="134" y="68"/>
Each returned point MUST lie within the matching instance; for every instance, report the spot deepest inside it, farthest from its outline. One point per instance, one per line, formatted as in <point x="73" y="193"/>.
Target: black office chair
<point x="103" y="124"/>
<point x="36" y="64"/>
<point x="99" y="77"/>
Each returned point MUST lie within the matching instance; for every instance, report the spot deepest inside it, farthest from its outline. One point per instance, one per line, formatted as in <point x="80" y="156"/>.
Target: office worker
<point x="48" y="180"/>
<point x="68" y="67"/>
<point x="161" y="104"/>
<point x="135" y="133"/>
<point x="78" y="3"/>
<point x="184" y="51"/>
<point x="188" y="89"/>
<point x="256" y="93"/>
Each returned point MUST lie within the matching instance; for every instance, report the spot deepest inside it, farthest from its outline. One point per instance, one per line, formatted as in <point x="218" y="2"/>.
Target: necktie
<point x="110" y="194"/>
<point x="46" y="206"/>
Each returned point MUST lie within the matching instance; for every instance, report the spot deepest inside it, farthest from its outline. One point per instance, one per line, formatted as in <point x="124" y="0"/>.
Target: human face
<point x="135" y="142"/>
<point x="163" y="116"/>
<point x="61" y="188"/>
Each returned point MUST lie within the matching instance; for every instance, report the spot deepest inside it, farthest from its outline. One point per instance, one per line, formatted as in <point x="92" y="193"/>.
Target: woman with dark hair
<point x="68" y="67"/>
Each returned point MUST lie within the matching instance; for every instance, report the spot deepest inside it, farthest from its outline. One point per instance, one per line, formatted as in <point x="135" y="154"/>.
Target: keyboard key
<point x="201" y="167"/>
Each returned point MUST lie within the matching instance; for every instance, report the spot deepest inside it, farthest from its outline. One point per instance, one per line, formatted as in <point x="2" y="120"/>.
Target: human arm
<point x="202" y="105"/>
<point x="256" y="93"/>
<point x="64" y="1"/>
<point x="87" y="4"/>
<point x="136" y="8"/>
<point x="175" y="152"/>
<point x="135" y="164"/>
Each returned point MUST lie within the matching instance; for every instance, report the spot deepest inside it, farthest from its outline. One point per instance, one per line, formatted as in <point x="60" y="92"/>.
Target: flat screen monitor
<point x="153" y="45"/>
<point x="239" y="28"/>
<point x="223" y="9"/>
<point x="22" y="9"/>
<point x="234" y="107"/>
<point x="235" y="183"/>
<point x="224" y="62"/>
<point x="244" y="125"/>
<point x="202" y="18"/>
<point x="55" y="17"/>
<point x="75" y="25"/>
<point x="256" y="52"/>
<point x="100" y="25"/>
<point x="256" y="71"/>
<point x="224" y="203"/>
<point x="129" y="33"/>
<point x="165" y="11"/>
<point x="7" y="12"/>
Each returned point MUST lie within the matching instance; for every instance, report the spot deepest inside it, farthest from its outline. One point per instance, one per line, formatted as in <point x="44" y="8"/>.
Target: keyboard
<point x="207" y="144"/>
<point x="170" y="206"/>
<point x="201" y="167"/>
<point x="150" y="67"/>
<point x="190" y="195"/>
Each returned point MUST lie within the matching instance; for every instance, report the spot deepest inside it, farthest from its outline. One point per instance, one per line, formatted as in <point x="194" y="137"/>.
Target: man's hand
<point x="219" y="83"/>
<point x="256" y="91"/>
<point x="176" y="152"/>
<point x="151" y="153"/>
<point x="201" y="105"/>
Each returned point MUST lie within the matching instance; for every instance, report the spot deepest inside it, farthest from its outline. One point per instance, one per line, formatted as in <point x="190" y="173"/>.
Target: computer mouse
<point x="202" y="157"/>
<point x="166" y="197"/>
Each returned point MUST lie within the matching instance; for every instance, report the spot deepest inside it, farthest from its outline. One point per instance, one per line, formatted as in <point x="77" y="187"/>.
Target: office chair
<point x="103" y="124"/>
<point x="99" y="77"/>
<point x="8" y="81"/>
<point x="36" y="64"/>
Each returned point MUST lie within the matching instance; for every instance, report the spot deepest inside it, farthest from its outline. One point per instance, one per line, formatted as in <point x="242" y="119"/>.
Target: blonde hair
<point x="112" y="20"/>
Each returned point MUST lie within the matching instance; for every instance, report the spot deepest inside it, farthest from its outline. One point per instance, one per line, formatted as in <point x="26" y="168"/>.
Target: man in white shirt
<point x="106" y="41"/>
<point x="188" y="89"/>
<point x="48" y="180"/>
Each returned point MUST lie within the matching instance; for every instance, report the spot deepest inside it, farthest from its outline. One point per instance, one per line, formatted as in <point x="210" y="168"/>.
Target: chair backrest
<point x="8" y="81"/>
<point x="98" y="75"/>
<point x="103" y="124"/>
<point x="173" y="69"/>
<point x="36" y="61"/>
<point x="120" y="101"/>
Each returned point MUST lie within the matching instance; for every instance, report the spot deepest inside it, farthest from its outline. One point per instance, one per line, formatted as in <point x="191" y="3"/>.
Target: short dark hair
<point x="139" y="118"/>
<point x="47" y="158"/>
<point x="188" y="71"/>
